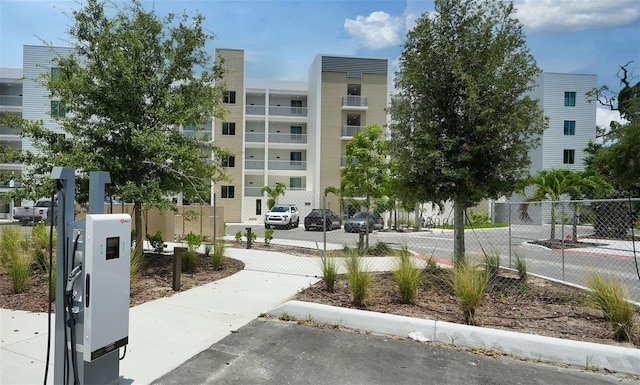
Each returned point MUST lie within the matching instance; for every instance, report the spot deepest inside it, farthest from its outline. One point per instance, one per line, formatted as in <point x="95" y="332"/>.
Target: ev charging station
<point x="92" y="285"/>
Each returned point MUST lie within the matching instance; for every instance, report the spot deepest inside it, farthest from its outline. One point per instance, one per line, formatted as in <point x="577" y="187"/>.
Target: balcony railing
<point x="354" y="101"/>
<point x="288" y="138"/>
<point x="6" y="130"/>
<point x="350" y="130"/>
<point x="255" y="110"/>
<point x="343" y="161"/>
<point x="287" y="111"/>
<point x="297" y="165"/>
<point x="253" y="164"/>
<point x="203" y="135"/>
<point x="255" y="137"/>
<point x="252" y="191"/>
<point x="10" y="100"/>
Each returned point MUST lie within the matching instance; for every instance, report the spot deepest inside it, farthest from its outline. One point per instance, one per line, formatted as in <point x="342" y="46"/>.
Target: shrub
<point x="136" y="264"/>
<point x="40" y="237"/>
<point x="217" y="258"/>
<point x="19" y="270"/>
<point x="329" y="272"/>
<point x="239" y="236"/>
<point x="470" y="285"/>
<point x="268" y="236"/>
<point x="358" y="278"/>
<point x="611" y="297"/>
<point x="521" y="266"/>
<point x="407" y="277"/>
<point x="9" y="244"/>
<point x="193" y="241"/>
<point x="492" y="264"/>
<point x="156" y="241"/>
<point x="189" y="261"/>
<point x="381" y="248"/>
<point x="479" y="218"/>
<point x="41" y="260"/>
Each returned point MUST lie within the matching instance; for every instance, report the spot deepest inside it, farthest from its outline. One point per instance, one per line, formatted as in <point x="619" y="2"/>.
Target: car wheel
<point x="306" y="228"/>
<point x="266" y="226"/>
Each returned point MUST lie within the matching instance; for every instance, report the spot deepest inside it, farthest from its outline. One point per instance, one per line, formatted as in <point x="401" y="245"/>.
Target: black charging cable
<point x="52" y="286"/>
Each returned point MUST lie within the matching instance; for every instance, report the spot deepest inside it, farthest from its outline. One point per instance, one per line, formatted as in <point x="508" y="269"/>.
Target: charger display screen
<point x="113" y="252"/>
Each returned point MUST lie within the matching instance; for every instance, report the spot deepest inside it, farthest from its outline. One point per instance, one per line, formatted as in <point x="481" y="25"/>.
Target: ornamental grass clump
<point x="217" y="257"/>
<point x="19" y="270"/>
<point x="469" y="284"/>
<point x="407" y="277"/>
<point x="359" y="279"/>
<point x="329" y="272"/>
<point x="610" y="295"/>
<point x="521" y="266"/>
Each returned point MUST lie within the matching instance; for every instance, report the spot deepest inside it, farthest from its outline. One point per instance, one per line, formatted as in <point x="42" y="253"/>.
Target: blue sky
<point x="281" y="37"/>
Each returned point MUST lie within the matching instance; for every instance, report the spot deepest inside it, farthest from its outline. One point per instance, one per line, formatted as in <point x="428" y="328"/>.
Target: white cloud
<point x="576" y="15"/>
<point x="604" y="117"/>
<point x="379" y="30"/>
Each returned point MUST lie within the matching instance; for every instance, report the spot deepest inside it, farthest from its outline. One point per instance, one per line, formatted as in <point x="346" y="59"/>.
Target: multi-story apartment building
<point x="10" y="102"/>
<point x="572" y="120"/>
<point x="294" y="132"/>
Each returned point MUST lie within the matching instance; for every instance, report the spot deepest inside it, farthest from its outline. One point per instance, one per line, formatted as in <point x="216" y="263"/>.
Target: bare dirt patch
<point x="154" y="282"/>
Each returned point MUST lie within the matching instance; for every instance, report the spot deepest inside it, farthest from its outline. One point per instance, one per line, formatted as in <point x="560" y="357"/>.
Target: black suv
<point x="316" y="220"/>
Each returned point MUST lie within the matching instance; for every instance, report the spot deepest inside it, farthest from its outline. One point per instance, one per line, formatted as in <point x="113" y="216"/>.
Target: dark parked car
<point x="316" y="220"/>
<point x="362" y="222"/>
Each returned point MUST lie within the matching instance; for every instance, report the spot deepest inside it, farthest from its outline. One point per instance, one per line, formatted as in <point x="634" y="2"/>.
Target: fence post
<point x="510" y="240"/>
<point x="177" y="266"/>
<point x="562" y="235"/>
<point x="215" y="219"/>
<point x="324" y="226"/>
<point x="248" y="237"/>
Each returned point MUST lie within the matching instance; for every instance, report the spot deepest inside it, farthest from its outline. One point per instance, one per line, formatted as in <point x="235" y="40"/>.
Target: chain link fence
<point x="559" y="240"/>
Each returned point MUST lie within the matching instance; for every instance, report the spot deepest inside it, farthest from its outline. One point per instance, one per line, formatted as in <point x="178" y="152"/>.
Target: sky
<point x="281" y="37"/>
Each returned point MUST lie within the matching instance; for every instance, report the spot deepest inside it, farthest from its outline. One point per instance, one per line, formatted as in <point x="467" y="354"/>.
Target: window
<point x="296" y="158"/>
<point x="229" y="161"/>
<point x="569" y="99"/>
<point x="296" y="106"/>
<point x="228" y="128"/>
<point x="55" y="73"/>
<point x="57" y="108"/>
<point x="569" y="156"/>
<point x="230" y="97"/>
<point x="569" y="127"/>
<point x="354" y="89"/>
<point x="296" y="132"/>
<point x="228" y="192"/>
<point x="295" y="183"/>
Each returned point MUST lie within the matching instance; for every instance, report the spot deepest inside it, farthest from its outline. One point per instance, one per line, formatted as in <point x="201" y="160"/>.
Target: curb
<point x="538" y="348"/>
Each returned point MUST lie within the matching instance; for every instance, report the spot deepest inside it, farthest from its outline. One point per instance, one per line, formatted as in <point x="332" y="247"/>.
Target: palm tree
<point x="555" y="183"/>
<point x="338" y="193"/>
<point x="274" y="193"/>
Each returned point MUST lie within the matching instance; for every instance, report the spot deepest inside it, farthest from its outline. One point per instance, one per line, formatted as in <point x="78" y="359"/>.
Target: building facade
<point x="294" y="132"/>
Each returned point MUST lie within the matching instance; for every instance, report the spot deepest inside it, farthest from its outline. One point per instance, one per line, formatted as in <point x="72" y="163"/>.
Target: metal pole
<point x="510" y="240"/>
<point x="562" y="235"/>
<point x="66" y="177"/>
<point x="215" y="217"/>
<point x="324" y="226"/>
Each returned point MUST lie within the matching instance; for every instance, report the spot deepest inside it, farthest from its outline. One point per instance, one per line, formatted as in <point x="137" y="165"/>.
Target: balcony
<point x="288" y="138"/>
<point x="343" y="161"/>
<point x="11" y="100"/>
<point x="355" y="101"/>
<point x="254" y="164"/>
<point x="287" y="111"/>
<point x="254" y="137"/>
<point x="201" y="135"/>
<point x="350" y="130"/>
<point x="6" y="130"/>
<point x="253" y="191"/>
<point x="290" y="165"/>
<point x="255" y="110"/>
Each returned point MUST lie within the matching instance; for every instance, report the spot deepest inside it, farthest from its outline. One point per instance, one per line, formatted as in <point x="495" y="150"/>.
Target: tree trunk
<point x="553" y="222"/>
<point x="458" y="232"/>
<point x="137" y="211"/>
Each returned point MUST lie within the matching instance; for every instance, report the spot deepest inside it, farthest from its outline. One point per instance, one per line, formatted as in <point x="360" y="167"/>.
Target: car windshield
<point x="316" y="213"/>
<point x="360" y="216"/>
<point x="279" y="209"/>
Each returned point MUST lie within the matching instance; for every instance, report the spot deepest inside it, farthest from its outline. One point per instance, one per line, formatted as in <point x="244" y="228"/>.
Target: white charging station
<point x="107" y="253"/>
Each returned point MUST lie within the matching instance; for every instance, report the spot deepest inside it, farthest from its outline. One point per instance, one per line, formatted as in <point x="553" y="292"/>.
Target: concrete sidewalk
<point x="163" y="333"/>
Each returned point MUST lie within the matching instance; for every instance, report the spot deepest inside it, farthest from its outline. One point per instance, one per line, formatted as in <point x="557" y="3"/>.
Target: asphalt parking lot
<point x="268" y="351"/>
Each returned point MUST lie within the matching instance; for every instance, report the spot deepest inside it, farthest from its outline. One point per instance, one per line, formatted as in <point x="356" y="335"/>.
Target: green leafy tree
<point x="273" y="193"/>
<point x="617" y="157"/>
<point x="132" y="81"/>
<point x="462" y="123"/>
<point x="556" y="184"/>
<point x="367" y="171"/>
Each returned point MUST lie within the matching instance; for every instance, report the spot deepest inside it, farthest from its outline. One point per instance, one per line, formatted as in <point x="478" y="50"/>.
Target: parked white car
<point x="282" y="215"/>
